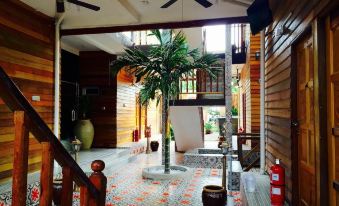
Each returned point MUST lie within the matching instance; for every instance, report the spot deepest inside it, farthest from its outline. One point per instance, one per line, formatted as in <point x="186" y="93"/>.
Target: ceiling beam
<point x="130" y="9"/>
<point x="167" y="25"/>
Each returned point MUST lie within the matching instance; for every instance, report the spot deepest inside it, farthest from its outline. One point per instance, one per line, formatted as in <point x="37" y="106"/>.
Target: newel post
<point x="99" y="180"/>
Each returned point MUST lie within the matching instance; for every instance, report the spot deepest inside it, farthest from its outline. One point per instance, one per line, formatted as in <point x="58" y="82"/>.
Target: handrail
<point x="16" y="101"/>
<point x="241" y="157"/>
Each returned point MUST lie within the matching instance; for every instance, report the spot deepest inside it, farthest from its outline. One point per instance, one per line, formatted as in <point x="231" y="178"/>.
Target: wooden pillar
<point x="67" y="186"/>
<point x="20" y="163"/>
<point x="46" y="177"/>
<point x="99" y="180"/>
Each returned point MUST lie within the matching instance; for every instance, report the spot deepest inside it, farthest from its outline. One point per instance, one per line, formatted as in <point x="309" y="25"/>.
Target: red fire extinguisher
<point x="135" y="135"/>
<point x="277" y="178"/>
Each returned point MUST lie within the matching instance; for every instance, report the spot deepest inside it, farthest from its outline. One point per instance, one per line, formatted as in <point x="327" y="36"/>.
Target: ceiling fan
<point x="203" y="3"/>
<point x="60" y="5"/>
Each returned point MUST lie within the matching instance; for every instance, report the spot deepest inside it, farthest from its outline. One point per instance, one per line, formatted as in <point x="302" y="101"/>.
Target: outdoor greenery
<point x="208" y="127"/>
<point x="234" y="111"/>
<point x="172" y="133"/>
<point x="159" y="70"/>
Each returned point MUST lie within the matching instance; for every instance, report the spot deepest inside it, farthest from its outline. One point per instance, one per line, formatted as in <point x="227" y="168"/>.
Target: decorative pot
<point x="57" y="190"/>
<point x="84" y="131"/>
<point x="154" y="146"/>
<point x="221" y="140"/>
<point x="214" y="195"/>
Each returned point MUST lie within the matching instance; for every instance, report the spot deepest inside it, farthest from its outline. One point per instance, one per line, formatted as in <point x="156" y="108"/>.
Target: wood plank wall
<point x="246" y="89"/>
<point x="126" y="108"/>
<point x="297" y="16"/>
<point x="95" y="72"/>
<point x="250" y="86"/>
<point x="27" y="55"/>
<point x="255" y="85"/>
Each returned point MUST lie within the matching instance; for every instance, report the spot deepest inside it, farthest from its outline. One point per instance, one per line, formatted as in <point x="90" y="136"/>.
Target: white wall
<point x="194" y="37"/>
<point x="186" y="124"/>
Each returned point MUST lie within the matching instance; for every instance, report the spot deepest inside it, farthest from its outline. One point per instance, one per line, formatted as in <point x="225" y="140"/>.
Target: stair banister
<point x="30" y="120"/>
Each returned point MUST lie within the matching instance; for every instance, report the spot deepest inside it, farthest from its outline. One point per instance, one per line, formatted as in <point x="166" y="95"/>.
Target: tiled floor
<point x="126" y="187"/>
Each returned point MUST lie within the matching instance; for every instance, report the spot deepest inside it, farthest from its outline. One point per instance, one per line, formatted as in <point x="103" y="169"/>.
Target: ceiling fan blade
<point x="60" y="6"/>
<point x="84" y="4"/>
<point x="169" y="3"/>
<point x="204" y="3"/>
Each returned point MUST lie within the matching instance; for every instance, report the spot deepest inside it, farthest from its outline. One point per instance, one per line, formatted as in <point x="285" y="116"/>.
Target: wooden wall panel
<point x="126" y="108"/>
<point x="95" y="72"/>
<point x="297" y="17"/>
<point x="27" y="56"/>
<point x="255" y="85"/>
<point x="250" y="86"/>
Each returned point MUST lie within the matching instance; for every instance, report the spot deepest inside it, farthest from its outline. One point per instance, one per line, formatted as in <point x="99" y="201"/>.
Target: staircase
<point x="26" y="119"/>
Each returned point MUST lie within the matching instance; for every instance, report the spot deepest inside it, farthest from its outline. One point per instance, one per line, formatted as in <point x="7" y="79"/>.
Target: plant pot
<point x="84" y="131"/>
<point x="221" y="140"/>
<point x="208" y="132"/>
<point x="57" y="190"/>
<point x="213" y="195"/>
<point x="154" y="146"/>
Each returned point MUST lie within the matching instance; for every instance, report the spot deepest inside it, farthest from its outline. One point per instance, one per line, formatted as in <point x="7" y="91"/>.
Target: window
<point x="215" y="38"/>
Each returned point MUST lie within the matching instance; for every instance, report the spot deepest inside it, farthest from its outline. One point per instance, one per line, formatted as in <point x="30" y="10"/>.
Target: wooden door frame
<point x="317" y="30"/>
<point x="332" y="14"/>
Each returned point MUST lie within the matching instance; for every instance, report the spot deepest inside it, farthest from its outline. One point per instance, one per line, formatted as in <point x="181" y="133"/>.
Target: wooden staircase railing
<point x="241" y="137"/>
<point x="26" y="119"/>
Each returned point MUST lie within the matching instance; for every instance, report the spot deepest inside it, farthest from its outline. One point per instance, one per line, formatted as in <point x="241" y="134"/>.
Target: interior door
<point x="333" y="107"/>
<point x="306" y="131"/>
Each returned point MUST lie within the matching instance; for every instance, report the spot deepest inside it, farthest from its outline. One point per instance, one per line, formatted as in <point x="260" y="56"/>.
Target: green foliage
<point x="208" y="126"/>
<point x="172" y="133"/>
<point x="234" y="111"/>
<point x="160" y="68"/>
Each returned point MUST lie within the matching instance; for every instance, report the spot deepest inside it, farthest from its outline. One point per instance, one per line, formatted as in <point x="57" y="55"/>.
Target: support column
<point x="228" y="83"/>
<point x="228" y="104"/>
<point x="57" y="57"/>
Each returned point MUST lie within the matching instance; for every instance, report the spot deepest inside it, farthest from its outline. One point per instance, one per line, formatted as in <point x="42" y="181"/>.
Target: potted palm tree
<point x="159" y="70"/>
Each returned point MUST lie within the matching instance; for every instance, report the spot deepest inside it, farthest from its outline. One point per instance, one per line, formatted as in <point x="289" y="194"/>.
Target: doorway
<point x="69" y="93"/>
<point x="305" y="133"/>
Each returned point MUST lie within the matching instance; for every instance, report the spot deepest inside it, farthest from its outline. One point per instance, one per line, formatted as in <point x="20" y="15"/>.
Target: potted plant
<point x="84" y="129"/>
<point x="234" y="119"/>
<point x="208" y="128"/>
<point x="159" y="70"/>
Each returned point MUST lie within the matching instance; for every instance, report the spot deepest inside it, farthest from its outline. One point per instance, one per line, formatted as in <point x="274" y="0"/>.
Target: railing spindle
<point x="46" y="177"/>
<point x="20" y="163"/>
<point x="67" y="186"/>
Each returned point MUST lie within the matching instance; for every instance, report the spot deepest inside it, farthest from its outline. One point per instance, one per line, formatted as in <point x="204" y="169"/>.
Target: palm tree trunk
<point x="165" y="137"/>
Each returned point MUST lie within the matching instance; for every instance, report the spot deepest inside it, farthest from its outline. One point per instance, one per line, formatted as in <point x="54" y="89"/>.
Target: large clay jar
<point x="84" y="131"/>
<point x="213" y="195"/>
